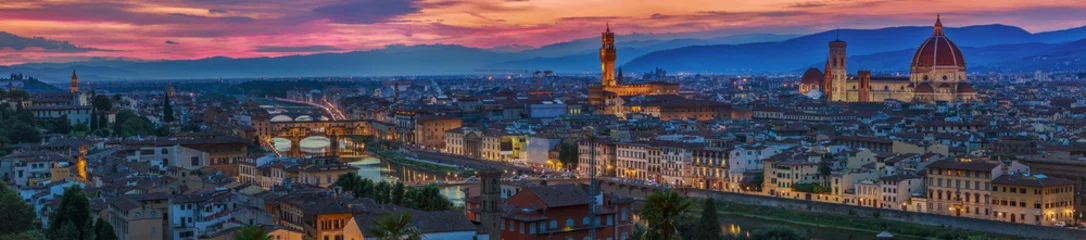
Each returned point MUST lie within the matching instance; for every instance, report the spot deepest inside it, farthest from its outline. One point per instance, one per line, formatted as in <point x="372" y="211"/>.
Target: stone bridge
<point x="333" y="130"/>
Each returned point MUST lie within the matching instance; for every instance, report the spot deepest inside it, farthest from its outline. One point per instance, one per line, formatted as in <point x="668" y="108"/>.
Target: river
<point x="380" y="170"/>
<point x="745" y="226"/>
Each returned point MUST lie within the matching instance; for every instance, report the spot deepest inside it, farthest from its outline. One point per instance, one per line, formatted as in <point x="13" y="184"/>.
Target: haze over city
<point x="542" y="120"/>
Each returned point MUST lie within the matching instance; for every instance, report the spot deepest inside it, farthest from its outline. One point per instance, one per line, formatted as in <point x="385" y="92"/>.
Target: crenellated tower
<point x="607" y="58"/>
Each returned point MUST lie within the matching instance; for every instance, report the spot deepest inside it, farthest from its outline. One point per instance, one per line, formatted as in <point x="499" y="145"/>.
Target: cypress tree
<point x="94" y="119"/>
<point x="707" y="227"/>
<point x="397" y="193"/>
<point x="74" y="210"/>
<point x="167" y="110"/>
<point x="103" y="230"/>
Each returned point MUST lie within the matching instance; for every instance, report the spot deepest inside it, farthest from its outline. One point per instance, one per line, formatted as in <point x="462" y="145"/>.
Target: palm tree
<point x="250" y="232"/>
<point x="663" y="210"/>
<point x="395" y="227"/>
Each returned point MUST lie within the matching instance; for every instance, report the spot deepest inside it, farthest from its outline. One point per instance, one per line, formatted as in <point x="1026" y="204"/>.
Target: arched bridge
<point x="333" y="130"/>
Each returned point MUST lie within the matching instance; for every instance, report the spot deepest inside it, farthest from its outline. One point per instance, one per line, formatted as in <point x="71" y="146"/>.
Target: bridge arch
<point x="282" y="118"/>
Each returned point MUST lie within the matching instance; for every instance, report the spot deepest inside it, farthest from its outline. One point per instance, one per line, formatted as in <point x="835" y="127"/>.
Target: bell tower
<point x="75" y="83"/>
<point x="491" y="206"/>
<point x="836" y="73"/>
<point x="607" y="57"/>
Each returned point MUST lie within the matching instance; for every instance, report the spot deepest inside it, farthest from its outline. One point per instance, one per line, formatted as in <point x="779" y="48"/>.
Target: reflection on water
<point x="379" y="170"/>
<point x="313" y="145"/>
<point x="736" y="225"/>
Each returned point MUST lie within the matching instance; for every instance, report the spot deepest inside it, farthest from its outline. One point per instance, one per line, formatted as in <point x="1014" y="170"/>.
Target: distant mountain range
<point x="986" y="48"/>
<point x="888" y="49"/>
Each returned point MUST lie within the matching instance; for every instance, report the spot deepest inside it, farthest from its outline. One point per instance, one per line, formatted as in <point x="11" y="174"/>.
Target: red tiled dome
<point x="964" y="87"/>
<point x="812" y="76"/>
<point x="938" y="50"/>
<point x="924" y="88"/>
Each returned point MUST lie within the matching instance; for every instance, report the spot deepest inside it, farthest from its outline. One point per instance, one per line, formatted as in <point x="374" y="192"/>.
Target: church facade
<point x="73" y="105"/>
<point x="937" y="73"/>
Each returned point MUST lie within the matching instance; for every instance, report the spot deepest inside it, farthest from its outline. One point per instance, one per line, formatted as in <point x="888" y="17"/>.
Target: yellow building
<point x="961" y="187"/>
<point x="781" y="175"/>
<point x="1036" y="200"/>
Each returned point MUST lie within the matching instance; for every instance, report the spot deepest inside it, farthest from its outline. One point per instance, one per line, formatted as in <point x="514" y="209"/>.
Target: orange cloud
<point x="240" y="28"/>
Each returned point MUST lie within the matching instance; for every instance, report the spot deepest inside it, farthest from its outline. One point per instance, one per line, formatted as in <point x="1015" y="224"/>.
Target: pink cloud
<point x="239" y="28"/>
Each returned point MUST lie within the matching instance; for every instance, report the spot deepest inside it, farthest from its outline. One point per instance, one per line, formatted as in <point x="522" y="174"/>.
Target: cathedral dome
<point x="924" y="88"/>
<point x="938" y="50"/>
<point x="813" y="76"/>
<point x="964" y="87"/>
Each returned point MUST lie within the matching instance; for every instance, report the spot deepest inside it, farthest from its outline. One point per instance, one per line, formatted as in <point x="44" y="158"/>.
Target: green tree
<point x="568" y="155"/>
<point x="382" y="192"/>
<point x="17" y="94"/>
<point x="778" y="233"/>
<point x="663" y="211"/>
<point x="427" y="198"/>
<point x="16" y="214"/>
<point x="94" y="119"/>
<point x="27" y="235"/>
<point x="21" y="131"/>
<point x="707" y="227"/>
<point x="167" y="109"/>
<point x="825" y="171"/>
<point x="102" y="122"/>
<point x="250" y="232"/>
<point x="349" y="182"/>
<point x="364" y="188"/>
<point x="68" y="231"/>
<point x="81" y="127"/>
<point x="397" y="193"/>
<point x="103" y="230"/>
<point x="395" y="227"/>
<point x="102" y="103"/>
<point x="74" y="210"/>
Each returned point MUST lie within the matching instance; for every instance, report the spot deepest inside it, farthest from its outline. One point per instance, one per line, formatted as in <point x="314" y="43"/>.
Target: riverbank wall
<point x="971" y="224"/>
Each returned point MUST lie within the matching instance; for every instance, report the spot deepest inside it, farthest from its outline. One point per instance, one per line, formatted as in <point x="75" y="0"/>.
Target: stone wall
<point x="980" y="225"/>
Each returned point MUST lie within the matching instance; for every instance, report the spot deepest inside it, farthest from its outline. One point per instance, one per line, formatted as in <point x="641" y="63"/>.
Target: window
<point x="569" y="222"/>
<point x="584" y="221"/>
<point x="554" y="224"/>
<point x="195" y="161"/>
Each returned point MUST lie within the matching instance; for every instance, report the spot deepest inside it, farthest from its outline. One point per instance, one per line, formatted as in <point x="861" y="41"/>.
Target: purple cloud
<point x="284" y="49"/>
<point x="366" y="11"/>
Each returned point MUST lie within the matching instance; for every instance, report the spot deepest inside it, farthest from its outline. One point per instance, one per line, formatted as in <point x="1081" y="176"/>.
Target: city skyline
<point x="201" y="29"/>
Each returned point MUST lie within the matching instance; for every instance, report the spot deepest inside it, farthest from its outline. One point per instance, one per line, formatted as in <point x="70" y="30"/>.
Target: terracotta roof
<point x="971" y="166"/>
<point x="560" y="195"/>
<point x="1031" y="181"/>
<point x="812" y="76"/>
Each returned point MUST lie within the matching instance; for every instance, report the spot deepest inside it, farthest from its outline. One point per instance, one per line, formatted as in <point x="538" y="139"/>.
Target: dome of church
<point x="924" y="88"/>
<point x="938" y="50"/>
<point x="964" y="87"/>
<point x="812" y="76"/>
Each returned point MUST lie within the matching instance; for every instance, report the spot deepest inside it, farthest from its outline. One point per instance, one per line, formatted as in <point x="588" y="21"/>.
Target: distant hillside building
<point x="73" y="105"/>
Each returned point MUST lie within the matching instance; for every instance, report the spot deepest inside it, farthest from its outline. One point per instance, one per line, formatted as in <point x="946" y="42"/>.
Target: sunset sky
<point x="189" y="29"/>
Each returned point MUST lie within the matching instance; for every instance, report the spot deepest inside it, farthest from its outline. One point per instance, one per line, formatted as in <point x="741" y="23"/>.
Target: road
<point x="472" y="163"/>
